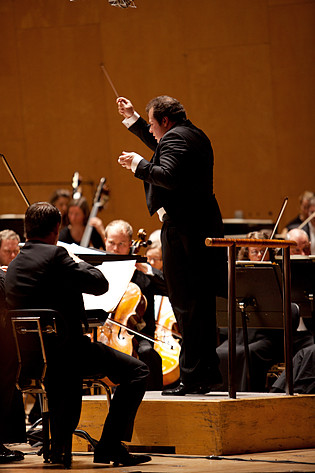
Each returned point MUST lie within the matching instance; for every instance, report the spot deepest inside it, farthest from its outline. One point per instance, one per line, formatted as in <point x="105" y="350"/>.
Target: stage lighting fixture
<point x="120" y="3"/>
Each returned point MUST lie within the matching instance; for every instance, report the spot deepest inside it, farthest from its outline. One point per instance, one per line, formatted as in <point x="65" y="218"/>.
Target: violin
<point x="170" y="350"/>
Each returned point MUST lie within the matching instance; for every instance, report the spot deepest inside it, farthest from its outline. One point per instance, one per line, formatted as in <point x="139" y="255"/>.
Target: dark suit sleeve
<point x="85" y="277"/>
<point x="158" y="282"/>
<point x="172" y="154"/>
<point x="141" y="129"/>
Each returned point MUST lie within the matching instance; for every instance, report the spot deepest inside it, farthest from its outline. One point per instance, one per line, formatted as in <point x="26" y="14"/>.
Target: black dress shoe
<point x="119" y="455"/>
<point x="8" y="456"/>
<point x="61" y="459"/>
<point x="197" y="388"/>
<point x="181" y="390"/>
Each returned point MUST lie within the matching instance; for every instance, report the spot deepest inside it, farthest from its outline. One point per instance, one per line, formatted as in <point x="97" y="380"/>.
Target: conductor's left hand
<point x="126" y="158"/>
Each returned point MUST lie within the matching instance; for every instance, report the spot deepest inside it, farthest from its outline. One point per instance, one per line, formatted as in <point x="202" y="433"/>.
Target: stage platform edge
<point x="212" y="424"/>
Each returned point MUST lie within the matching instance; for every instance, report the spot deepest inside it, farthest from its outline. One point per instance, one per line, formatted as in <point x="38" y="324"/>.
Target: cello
<point x="127" y="320"/>
<point x="128" y="315"/>
<point x="169" y="351"/>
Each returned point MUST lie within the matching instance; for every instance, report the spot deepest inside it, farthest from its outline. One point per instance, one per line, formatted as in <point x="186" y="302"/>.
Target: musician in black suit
<point x="44" y="275"/>
<point x="178" y="184"/>
<point x="12" y="424"/>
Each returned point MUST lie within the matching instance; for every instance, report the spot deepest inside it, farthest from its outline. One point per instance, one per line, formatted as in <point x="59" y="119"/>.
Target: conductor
<point x="178" y="183"/>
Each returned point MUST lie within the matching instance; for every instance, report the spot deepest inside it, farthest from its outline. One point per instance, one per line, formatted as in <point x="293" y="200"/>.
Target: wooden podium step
<point x="211" y="424"/>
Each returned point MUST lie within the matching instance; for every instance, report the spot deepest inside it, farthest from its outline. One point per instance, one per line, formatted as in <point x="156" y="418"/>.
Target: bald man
<point x="303" y="243"/>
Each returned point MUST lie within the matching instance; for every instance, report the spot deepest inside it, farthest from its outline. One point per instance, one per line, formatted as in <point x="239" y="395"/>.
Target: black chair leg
<point x="45" y="426"/>
<point x="46" y="439"/>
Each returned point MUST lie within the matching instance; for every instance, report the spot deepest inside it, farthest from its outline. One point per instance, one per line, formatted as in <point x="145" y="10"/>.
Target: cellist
<point x="46" y="275"/>
<point x="118" y="239"/>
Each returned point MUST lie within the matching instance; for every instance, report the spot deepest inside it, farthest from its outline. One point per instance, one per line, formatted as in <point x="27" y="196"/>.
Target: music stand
<point x="302" y="283"/>
<point x="231" y="244"/>
<point x="259" y="302"/>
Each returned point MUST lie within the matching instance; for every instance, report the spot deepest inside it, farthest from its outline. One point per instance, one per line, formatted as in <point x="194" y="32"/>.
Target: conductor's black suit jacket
<point x="179" y="178"/>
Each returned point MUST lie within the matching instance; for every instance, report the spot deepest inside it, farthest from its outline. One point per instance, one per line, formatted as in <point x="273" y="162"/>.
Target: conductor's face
<point x="157" y="130"/>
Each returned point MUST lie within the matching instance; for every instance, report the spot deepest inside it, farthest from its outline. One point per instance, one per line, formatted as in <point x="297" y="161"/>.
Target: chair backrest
<point x="34" y="331"/>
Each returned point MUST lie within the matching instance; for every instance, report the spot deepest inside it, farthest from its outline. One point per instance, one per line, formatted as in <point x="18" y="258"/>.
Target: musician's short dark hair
<point x="41" y="218"/>
<point x="165" y="106"/>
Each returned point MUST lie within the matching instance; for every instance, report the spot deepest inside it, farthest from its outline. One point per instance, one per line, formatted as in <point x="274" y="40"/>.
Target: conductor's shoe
<point x="197" y="388"/>
<point x="181" y="390"/>
<point x="8" y="456"/>
<point x="119" y="455"/>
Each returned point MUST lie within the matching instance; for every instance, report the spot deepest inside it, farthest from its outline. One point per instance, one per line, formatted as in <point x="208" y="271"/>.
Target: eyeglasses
<point x="256" y="252"/>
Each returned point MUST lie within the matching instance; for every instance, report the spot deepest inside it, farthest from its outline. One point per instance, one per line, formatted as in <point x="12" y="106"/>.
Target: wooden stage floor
<point x="270" y="462"/>
<point x="257" y="432"/>
<point x="212" y="424"/>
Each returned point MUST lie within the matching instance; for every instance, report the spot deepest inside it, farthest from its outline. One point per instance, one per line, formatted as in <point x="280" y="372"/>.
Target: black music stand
<point x="258" y="300"/>
<point x="303" y="284"/>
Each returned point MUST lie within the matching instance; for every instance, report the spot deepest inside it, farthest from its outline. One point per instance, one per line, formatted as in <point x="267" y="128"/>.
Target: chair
<point x="34" y="331"/>
<point x="91" y="382"/>
<point x="31" y="330"/>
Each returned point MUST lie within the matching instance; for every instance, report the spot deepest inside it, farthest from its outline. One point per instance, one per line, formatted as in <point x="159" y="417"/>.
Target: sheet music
<point x="79" y="250"/>
<point x="118" y="275"/>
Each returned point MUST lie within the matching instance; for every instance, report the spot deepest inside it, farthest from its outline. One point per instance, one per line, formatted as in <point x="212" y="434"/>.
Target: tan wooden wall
<point x="244" y="69"/>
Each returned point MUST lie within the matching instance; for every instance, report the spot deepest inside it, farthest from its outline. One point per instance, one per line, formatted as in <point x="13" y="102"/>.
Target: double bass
<point x="100" y="199"/>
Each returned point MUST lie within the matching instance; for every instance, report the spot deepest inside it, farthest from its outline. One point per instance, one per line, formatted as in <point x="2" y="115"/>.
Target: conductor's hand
<point x="125" y="107"/>
<point x="126" y="158"/>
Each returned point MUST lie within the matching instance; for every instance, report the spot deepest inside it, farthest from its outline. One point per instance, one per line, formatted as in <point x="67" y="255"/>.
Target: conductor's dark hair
<point x="165" y="106"/>
<point x="41" y="219"/>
